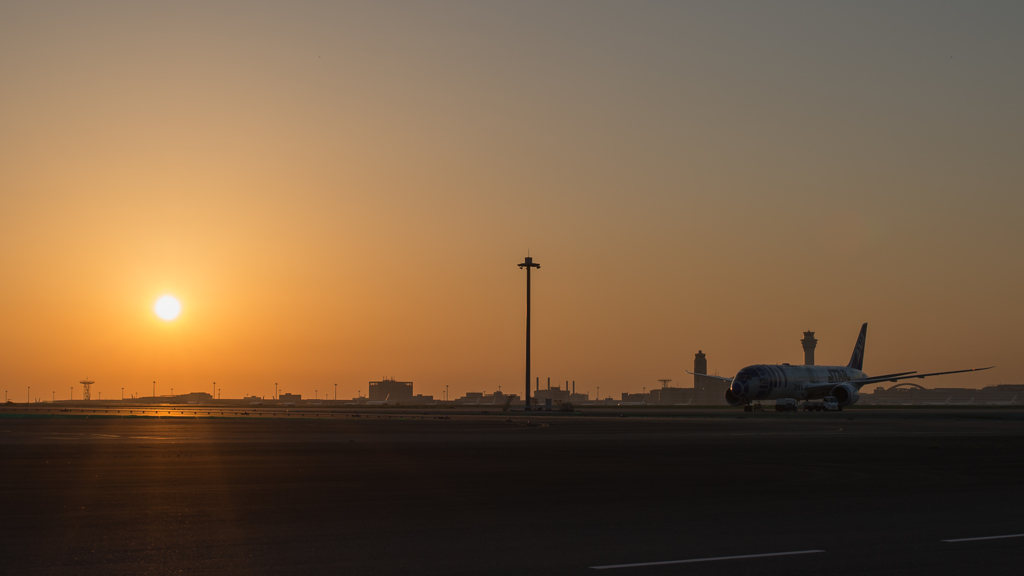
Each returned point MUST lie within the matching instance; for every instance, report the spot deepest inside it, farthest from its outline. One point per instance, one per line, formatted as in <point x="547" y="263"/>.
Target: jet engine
<point x="846" y="394"/>
<point x="732" y="398"/>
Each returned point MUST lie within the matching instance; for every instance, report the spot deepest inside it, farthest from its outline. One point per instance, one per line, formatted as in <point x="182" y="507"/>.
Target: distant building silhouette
<point x="809" y="342"/>
<point x="706" y="391"/>
<point x="628" y="397"/>
<point x="908" y="393"/>
<point x="555" y="395"/>
<point x="391" y="390"/>
<point x="483" y="399"/>
<point x="194" y="398"/>
<point x="673" y="395"/>
<point x="190" y="398"/>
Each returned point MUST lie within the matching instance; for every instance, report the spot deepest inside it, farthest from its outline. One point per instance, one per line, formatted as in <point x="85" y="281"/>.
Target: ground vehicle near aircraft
<point x="809" y="382"/>
<point x="786" y="405"/>
<point x="826" y="404"/>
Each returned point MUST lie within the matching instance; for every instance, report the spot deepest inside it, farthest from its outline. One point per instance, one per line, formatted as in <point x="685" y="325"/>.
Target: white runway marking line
<point x="985" y="538"/>
<point x="715" y="559"/>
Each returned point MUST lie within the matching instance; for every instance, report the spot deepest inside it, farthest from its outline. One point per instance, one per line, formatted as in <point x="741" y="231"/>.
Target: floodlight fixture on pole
<point x="528" y="264"/>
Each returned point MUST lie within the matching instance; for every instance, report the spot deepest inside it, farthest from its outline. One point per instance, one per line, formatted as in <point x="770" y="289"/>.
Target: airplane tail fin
<point x="857" y="360"/>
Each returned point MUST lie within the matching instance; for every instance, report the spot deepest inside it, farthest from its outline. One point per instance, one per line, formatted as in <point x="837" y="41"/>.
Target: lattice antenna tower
<point x="86" y="394"/>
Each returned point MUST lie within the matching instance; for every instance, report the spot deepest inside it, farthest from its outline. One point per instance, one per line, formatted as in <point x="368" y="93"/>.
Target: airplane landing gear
<point x="755" y="407"/>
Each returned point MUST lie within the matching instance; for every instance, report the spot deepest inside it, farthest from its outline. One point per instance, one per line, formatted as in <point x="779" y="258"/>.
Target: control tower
<point x="86" y="394"/>
<point x="700" y="365"/>
<point x="809" y="342"/>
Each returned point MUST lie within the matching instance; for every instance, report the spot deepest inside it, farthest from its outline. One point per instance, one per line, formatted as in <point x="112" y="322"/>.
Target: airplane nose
<point x="737" y="389"/>
<point x="742" y="388"/>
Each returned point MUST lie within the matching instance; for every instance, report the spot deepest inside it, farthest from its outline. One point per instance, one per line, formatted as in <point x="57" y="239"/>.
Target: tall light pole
<point x="335" y="391"/>
<point x="122" y="393"/>
<point x="528" y="264"/>
<point x="154" y="389"/>
<point x="29" y="395"/>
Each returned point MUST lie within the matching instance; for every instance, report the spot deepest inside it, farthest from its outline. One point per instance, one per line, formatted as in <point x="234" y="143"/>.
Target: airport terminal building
<point x="391" y="390"/>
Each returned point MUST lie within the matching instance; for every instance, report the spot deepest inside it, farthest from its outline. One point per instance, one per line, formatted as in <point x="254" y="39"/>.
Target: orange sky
<point x="337" y="194"/>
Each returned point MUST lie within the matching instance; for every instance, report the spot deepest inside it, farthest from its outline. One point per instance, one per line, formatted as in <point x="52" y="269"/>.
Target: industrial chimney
<point x="809" y="343"/>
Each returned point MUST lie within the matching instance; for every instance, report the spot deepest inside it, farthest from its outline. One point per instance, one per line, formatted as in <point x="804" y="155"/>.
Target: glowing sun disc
<point x="167" y="307"/>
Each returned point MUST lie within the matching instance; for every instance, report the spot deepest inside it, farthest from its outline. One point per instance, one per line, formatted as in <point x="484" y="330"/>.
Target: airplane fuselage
<point x="802" y="382"/>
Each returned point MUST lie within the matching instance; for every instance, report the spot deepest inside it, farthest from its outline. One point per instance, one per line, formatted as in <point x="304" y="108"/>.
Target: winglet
<point x="857" y="360"/>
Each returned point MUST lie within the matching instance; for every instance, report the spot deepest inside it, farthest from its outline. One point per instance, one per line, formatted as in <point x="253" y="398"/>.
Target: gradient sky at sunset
<point x="338" y="192"/>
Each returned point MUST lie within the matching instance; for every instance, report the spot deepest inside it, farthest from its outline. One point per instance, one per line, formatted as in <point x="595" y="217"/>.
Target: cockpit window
<point x="746" y="374"/>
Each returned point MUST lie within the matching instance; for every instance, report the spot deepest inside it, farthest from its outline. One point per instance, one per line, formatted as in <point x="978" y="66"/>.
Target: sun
<point x="167" y="307"/>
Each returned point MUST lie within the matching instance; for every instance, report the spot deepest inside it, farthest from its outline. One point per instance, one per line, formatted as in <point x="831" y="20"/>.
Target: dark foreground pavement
<point x="478" y="495"/>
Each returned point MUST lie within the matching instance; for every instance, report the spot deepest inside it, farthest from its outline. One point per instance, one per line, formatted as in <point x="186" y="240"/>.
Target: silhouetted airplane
<point x="807" y="382"/>
<point x="383" y="402"/>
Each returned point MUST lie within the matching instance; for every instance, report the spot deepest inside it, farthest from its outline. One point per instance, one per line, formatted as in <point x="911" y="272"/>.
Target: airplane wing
<point x="722" y="378"/>
<point x="908" y="375"/>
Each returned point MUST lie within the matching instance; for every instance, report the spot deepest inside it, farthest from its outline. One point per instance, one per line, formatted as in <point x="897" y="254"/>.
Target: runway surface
<point x="908" y="492"/>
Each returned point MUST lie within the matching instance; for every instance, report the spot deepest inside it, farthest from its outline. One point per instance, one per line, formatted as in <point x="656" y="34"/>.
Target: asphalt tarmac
<point x="884" y="492"/>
